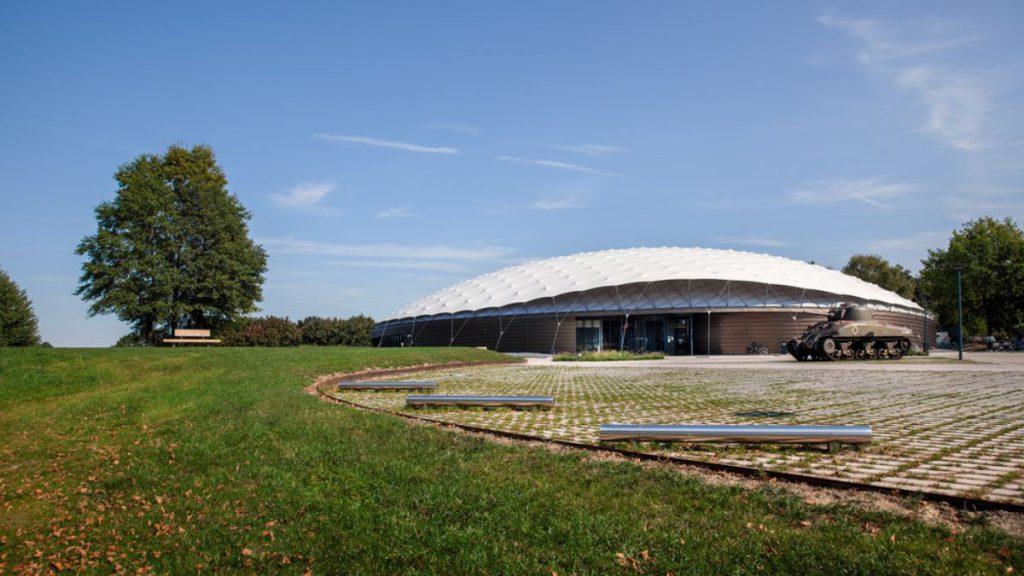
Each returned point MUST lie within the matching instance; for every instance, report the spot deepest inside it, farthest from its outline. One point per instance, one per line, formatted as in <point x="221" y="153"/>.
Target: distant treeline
<point x="314" y="330"/>
<point x="278" y="331"/>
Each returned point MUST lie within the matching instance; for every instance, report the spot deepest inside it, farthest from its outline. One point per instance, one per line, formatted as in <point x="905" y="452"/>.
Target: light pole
<point x="960" y="310"/>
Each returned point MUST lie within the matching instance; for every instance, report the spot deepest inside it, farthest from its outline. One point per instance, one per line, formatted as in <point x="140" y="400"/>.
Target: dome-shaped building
<point x="675" y="300"/>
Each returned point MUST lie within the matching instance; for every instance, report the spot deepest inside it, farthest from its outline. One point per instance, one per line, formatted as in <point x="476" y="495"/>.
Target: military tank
<point x="850" y="333"/>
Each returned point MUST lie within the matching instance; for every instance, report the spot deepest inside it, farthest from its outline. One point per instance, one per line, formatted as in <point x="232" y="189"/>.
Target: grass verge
<point x="176" y="461"/>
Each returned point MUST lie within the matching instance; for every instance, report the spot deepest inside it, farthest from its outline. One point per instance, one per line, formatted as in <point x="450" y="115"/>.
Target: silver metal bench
<point x="406" y="385"/>
<point x="741" y="433"/>
<point x="487" y="401"/>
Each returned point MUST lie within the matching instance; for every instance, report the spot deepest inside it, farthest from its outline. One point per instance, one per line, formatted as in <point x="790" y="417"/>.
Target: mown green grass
<point x="179" y="461"/>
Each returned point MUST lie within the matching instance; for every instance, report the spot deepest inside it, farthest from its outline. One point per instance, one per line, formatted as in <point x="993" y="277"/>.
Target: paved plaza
<point x="938" y="427"/>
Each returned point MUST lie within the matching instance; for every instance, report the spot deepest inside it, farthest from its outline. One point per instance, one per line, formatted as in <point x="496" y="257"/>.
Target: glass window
<point x="588" y="335"/>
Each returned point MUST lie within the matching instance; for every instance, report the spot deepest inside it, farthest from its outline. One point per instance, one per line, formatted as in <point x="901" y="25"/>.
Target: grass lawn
<point x="190" y="460"/>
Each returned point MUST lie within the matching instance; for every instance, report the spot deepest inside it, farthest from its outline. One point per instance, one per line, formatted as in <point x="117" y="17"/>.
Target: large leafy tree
<point x="878" y="270"/>
<point x="172" y="249"/>
<point x="18" y="326"/>
<point x="991" y="255"/>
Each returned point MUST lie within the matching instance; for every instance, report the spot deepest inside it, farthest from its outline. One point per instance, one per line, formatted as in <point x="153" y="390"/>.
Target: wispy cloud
<point x="919" y="241"/>
<point x="968" y="101"/>
<point x="872" y="191"/>
<point x="592" y="150"/>
<point x="395" y="212"/>
<point x="564" y="203"/>
<point x="883" y="41"/>
<point x="751" y="241"/>
<point x="384" y="251"/>
<point x="907" y="250"/>
<point x="304" y="195"/>
<point x="455" y="127"/>
<point x="957" y="106"/>
<point x="435" y="265"/>
<point x="957" y="103"/>
<point x="557" y="165"/>
<point x="392" y="144"/>
<point x="986" y="202"/>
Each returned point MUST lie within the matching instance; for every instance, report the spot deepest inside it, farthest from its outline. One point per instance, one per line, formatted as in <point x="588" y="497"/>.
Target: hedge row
<point x="314" y="330"/>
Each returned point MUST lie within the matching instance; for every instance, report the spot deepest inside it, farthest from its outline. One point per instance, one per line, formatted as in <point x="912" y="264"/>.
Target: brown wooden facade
<point x="731" y="331"/>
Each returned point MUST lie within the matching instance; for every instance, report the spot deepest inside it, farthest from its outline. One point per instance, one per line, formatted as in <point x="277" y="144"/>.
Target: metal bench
<point x="742" y="433"/>
<point x="408" y="385"/>
<point x="486" y="401"/>
<point x="191" y="336"/>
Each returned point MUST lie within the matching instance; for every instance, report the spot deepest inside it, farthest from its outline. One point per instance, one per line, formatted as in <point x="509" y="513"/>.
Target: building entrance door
<point x="653" y="337"/>
<point x="681" y="336"/>
<point x="647" y="333"/>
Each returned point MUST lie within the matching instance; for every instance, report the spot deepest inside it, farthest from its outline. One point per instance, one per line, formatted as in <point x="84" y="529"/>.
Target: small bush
<point x="265" y="331"/>
<point x="608" y="356"/>
<point x="354" y="331"/>
<point x="322" y="331"/>
<point x="359" y="330"/>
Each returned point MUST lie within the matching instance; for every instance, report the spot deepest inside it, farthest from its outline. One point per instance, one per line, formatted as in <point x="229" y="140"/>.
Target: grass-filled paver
<point x="951" y="433"/>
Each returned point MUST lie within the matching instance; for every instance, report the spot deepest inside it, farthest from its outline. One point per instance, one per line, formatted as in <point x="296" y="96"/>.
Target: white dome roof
<point x="590" y="270"/>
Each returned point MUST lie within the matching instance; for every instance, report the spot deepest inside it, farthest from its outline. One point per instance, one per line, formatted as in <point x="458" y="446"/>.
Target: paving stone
<point x="944" y="432"/>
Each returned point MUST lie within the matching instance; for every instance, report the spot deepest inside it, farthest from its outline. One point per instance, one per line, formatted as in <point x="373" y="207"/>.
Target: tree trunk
<point x="148" y="334"/>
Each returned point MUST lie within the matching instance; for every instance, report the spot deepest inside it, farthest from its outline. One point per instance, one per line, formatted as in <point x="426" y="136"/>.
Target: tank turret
<point x="851" y="333"/>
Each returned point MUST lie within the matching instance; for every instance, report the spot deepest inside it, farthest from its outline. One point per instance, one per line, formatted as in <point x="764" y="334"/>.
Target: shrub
<point x="263" y="331"/>
<point x="359" y="329"/>
<point x="320" y="331"/>
<point x="313" y="330"/>
<point x="607" y="356"/>
<point x="18" y="325"/>
<point x="354" y="331"/>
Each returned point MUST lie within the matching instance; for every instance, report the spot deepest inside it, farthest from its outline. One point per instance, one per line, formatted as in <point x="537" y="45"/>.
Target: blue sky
<point x="387" y="150"/>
